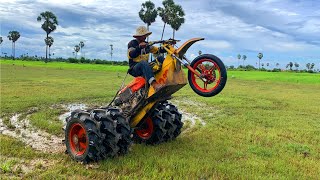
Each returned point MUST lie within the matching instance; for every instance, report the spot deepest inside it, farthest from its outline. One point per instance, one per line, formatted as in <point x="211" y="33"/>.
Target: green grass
<point x="263" y="125"/>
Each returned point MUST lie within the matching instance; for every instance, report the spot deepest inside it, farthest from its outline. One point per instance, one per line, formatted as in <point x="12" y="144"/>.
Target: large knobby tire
<point x="83" y="139"/>
<point x="116" y="130"/>
<point x="163" y="125"/>
<point x="122" y="128"/>
<point x="176" y="118"/>
<point x="112" y="134"/>
<point x="213" y="70"/>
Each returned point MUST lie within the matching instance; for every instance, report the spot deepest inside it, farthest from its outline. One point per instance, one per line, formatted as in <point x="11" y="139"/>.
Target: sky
<point x="283" y="30"/>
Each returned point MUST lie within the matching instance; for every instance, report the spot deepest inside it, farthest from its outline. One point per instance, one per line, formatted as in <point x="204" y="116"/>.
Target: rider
<point x="138" y="54"/>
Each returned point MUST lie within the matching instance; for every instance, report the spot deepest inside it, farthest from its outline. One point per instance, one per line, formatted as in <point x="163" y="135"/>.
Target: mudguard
<point x="185" y="46"/>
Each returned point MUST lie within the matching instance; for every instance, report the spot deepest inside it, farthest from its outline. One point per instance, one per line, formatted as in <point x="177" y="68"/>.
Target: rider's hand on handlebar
<point x="142" y="45"/>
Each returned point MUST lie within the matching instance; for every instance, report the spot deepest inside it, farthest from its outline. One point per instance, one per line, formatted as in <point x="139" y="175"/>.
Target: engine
<point x="128" y="100"/>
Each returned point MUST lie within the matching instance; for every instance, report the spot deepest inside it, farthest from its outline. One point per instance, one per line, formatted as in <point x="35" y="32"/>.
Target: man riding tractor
<point x="138" y="54"/>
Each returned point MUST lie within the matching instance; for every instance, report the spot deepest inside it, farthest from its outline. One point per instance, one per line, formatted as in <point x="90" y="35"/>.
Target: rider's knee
<point x="144" y="63"/>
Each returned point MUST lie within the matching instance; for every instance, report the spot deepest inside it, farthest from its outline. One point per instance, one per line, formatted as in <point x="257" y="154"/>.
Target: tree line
<point x="289" y="66"/>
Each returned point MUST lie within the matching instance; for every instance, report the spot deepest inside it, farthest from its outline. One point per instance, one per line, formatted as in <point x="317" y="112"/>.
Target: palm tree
<point x="260" y="56"/>
<point x="176" y="18"/>
<point x="165" y="13"/>
<point x="244" y="57"/>
<point x="148" y="13"/>
<point x="287" y="66"/>
<point x="308" y="66"/>
<point x="13" y="36"/>
<point x="200" y="52"/>
<point x="49" y="41"/>
<point x="296" y="65"/>
<point x="76" y="49"/>
<point x="49" y="25"/>
<point x="290" y="65"/>
<point x="81" y="45"/>
<point x="277" y="64"/>
<point x="312" y="66"/>
<point x="239" y="57"/>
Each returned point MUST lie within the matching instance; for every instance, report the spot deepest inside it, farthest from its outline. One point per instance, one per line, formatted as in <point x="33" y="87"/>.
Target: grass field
<point x="263" y="125"/>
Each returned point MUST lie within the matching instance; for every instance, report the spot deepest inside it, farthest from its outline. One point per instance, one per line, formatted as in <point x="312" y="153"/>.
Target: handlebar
<point x="169" y="41"/>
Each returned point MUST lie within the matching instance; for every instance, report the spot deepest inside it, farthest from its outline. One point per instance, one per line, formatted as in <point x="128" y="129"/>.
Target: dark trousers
<point x="143" y="69"/>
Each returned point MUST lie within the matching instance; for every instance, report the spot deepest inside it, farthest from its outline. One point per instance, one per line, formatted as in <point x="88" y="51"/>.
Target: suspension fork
<point x="187" y="65"/>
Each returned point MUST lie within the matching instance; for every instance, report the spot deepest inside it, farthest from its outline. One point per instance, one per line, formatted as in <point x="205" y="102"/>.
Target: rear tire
<point x="107" y="134"/>
<point x="84" y="140"/>
<point x="176" y="118"/>
<point x="163" y="125"/>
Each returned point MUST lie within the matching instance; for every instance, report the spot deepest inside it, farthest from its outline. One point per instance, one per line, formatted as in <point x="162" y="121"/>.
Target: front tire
<point x="213" y="70"/>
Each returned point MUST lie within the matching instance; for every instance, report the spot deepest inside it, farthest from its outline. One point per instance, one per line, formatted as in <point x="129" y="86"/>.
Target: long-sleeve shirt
<point x="137" y="54"/>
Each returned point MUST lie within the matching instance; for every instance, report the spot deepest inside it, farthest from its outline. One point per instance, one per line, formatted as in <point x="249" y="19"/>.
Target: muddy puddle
<point x="69" y="108"/>
<point x="37" y="139"/>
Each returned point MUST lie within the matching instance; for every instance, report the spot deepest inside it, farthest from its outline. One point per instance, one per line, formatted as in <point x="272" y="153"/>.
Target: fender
<point x="185" y="46"/>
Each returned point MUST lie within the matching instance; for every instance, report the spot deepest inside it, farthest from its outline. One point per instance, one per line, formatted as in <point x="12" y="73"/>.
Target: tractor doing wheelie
<point x="138" y="112"/>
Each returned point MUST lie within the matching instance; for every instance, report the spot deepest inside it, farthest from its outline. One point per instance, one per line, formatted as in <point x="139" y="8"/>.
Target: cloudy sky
<point x="283" y="30"/>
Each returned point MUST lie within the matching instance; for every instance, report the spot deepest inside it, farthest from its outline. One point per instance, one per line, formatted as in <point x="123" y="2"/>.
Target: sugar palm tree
<point x="260" y="56"/>
<point x="290" y="65"/>
<point x="165" y="13"/>
<point x="76" y="49"/>
<point x="13" y="36"/>
<point x="49" y="41"/>
<point x="308" y="66"/>
<point x="296" y="65"/>
<point x="239" y="57"/>
<point x="81" y="45"/>
<point x="312" y="66"/>
<point x="176" y="18"/>
<point x="244" y="57"/>
<point x="148" y="13"/>
<point x="49" y="25"/>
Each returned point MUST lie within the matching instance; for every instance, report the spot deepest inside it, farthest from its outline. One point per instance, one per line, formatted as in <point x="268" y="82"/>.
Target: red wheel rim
<point x="146" y="130"/>
<point x="210" y="71"/>
<point x="78" y="139"/>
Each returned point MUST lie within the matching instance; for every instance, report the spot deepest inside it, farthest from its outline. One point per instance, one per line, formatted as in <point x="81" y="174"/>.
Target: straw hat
<point x="142" y="31"/>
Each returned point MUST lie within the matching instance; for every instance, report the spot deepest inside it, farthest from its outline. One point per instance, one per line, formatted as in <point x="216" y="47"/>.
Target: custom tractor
<point x="139" y="113"/>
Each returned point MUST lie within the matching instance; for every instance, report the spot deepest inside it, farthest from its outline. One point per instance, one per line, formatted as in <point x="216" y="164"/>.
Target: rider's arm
<point x="133" y="49"/>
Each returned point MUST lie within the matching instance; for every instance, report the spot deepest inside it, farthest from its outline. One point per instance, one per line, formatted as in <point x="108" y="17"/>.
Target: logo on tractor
<point x="164" y="76"/>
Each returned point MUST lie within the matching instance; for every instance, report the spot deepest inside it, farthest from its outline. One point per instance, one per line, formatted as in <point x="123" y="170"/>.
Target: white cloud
<point x="278" y="28"/>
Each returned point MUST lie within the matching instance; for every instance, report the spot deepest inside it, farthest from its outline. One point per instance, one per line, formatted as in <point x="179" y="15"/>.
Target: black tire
<point x="218" y="87"/>
<point x="123" y="129"/>
<point x="176" y="119"/>
<point x="166" y="122"/>
<point x="154" y="135"/>
<point x="91" y="139"/>
<point x="116" y="129"/>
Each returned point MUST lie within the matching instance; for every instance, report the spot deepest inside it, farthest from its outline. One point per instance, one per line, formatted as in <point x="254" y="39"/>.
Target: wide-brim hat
<point x="142" y="31"/>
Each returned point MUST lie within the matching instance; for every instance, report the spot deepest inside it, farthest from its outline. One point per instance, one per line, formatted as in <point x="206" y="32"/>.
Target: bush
<point x="73" y="60"/>
<point x="276" y="70"/>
